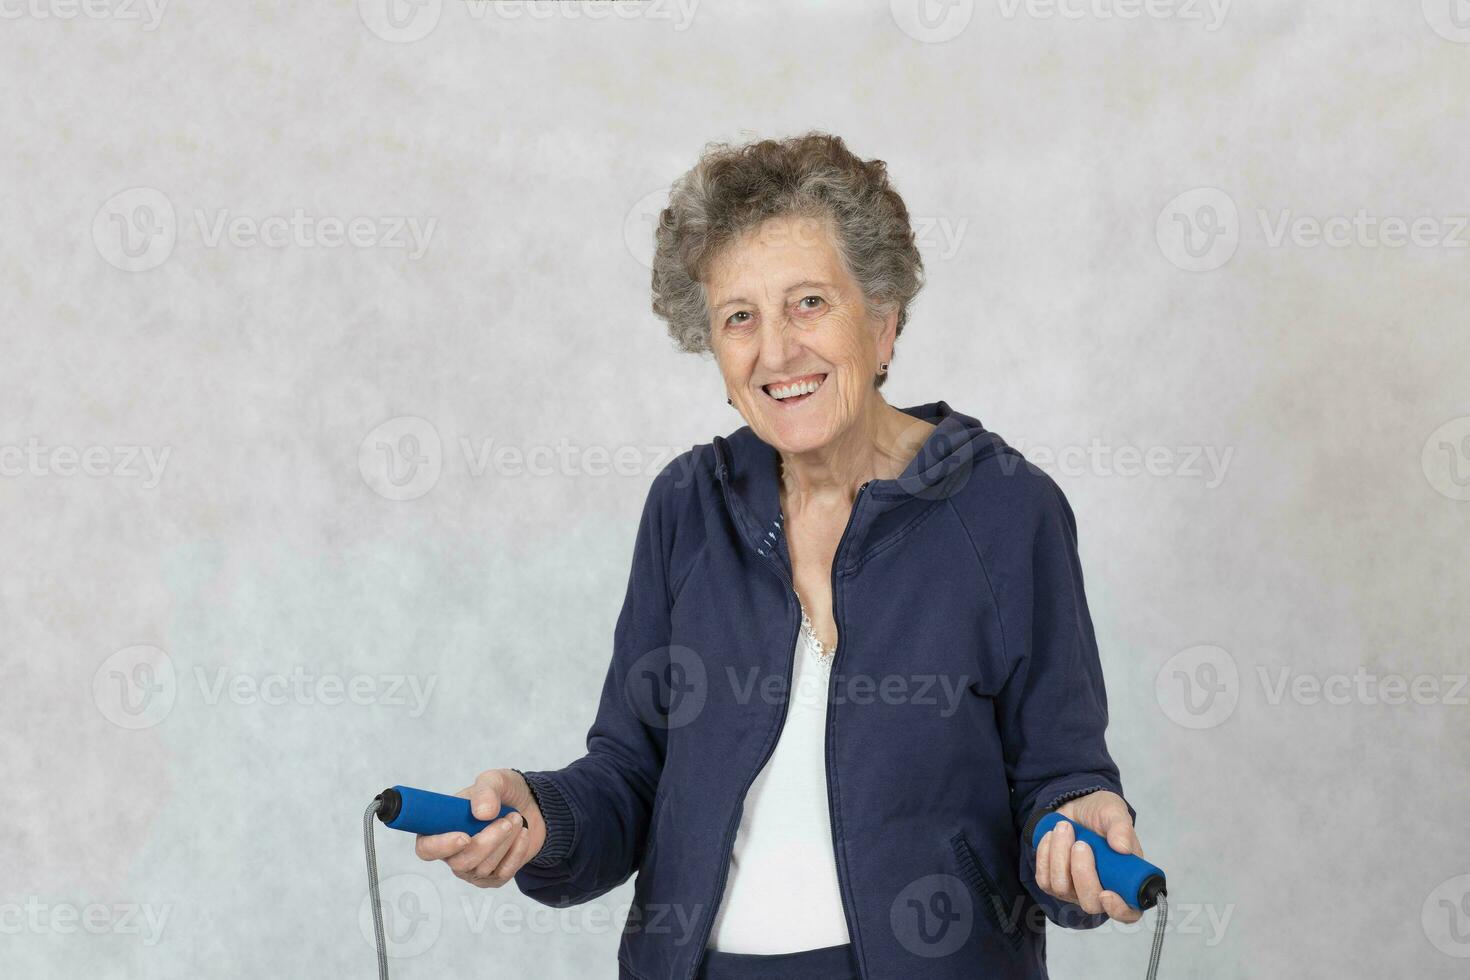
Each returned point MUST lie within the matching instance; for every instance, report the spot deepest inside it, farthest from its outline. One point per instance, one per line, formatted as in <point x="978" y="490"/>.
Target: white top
<point x="781" y="895"/>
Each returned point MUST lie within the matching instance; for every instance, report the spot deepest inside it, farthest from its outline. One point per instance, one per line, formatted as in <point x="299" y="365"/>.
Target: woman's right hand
<point x="494" y="855"/>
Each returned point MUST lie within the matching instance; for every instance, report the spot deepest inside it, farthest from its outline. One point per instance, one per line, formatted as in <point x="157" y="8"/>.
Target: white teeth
<point x="791" y="391"/>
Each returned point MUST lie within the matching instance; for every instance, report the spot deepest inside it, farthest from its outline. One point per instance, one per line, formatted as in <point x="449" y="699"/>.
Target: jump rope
<point x="418" y="811"/>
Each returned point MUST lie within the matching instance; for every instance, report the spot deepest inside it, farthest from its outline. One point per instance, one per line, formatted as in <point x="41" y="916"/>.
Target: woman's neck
<point x="878" y="446"/>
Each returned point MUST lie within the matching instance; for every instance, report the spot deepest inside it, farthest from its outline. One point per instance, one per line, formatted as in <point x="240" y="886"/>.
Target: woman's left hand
<point x="1064" y="866"/>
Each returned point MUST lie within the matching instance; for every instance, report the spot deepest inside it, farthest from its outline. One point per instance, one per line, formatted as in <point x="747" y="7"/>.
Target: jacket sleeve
<point x="1053" y="708"/>
<point x="597" y="808"/>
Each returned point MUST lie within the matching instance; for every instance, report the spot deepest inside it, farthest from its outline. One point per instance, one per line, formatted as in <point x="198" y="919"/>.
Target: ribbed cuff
<point x="1050" y="807"/>
<point x="560" y="823"/>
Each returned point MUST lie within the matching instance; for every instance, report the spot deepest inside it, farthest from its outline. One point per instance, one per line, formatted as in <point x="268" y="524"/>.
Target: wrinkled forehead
<point x="778" y="254"/>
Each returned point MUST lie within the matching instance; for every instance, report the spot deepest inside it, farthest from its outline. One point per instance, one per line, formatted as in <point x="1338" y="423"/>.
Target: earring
<point x="883" y="368"/>
<point x="728" y="401"/>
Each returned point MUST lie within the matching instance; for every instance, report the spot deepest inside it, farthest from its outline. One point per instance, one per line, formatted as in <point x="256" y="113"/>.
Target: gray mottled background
<point x="331" y="395"/>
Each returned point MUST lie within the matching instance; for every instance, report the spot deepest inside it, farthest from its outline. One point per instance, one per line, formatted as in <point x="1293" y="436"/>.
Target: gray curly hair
<point x="732" y="190"/>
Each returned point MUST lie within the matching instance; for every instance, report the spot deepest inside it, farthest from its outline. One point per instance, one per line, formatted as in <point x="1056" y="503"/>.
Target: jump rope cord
<point x="377" y="899"/>
<point x="1153" y="958"/>
<point x="372" y="865"/>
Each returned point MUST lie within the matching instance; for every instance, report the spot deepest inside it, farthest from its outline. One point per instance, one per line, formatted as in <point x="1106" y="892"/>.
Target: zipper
<point x="844" y="887"/>
<point x="733" y="827"/>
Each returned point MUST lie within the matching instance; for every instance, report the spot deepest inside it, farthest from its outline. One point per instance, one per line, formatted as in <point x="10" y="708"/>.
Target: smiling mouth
<point x="795" y="391"/>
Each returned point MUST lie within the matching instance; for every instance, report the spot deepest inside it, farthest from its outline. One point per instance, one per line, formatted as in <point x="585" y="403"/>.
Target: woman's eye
<point x="735" y="318"/>
<point x="816" y="302"/>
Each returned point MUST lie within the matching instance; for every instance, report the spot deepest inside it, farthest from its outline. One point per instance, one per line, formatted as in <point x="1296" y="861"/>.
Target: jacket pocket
<point x="1004" y="911"/>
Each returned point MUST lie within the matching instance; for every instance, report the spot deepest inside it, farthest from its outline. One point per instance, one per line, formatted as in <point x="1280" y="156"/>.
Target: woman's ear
<point x="887" y="336"/>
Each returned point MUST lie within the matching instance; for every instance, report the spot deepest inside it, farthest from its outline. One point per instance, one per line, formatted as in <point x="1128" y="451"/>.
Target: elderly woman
<point x="854" y="660"/>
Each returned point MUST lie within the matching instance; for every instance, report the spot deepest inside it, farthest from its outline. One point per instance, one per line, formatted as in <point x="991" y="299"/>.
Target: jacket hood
<point x="749" y="473"/>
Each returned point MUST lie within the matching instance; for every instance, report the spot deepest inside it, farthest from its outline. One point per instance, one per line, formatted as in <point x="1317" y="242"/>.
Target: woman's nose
<point x="780" y="343"/>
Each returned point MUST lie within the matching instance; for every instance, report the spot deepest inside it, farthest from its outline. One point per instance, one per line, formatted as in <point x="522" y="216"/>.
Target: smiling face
<point x="793" y="336"/>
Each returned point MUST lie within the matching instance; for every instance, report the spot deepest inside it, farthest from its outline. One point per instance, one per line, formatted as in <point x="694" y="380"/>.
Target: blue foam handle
<point x="1130" y="876"/>
<point x="417" y="811"/>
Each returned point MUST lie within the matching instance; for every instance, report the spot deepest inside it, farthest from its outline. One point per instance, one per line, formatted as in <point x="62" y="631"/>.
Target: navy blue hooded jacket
<point x="967" y="698"/>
